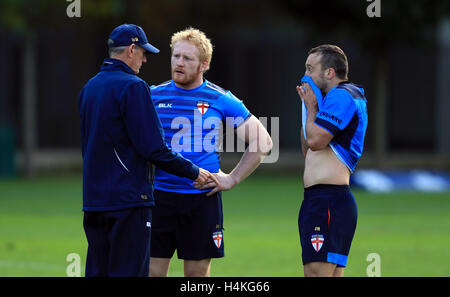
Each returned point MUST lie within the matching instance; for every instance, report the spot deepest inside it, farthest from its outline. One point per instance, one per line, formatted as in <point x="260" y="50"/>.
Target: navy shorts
<point x="191" y="224"/>
<point x="118" y="242"/>
<point x="327" y="223"/>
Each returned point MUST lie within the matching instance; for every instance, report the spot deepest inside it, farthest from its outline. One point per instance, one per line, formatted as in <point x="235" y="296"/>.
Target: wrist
<point x="196" y="172"/>
<point x="312" y="109"/>
<point x="233" y="179"/>
<point x="312" y="113"/>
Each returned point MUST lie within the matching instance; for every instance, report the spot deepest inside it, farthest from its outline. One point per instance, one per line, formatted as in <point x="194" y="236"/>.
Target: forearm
<point x="174" y="163"/>
<point x="314" y="140"/>
<point x="303" y="142"/>
<point x="259" y="145"/>
<point x="311" y="117"/>
<point x="317" y="137"/>
<point x="248" y="163"/>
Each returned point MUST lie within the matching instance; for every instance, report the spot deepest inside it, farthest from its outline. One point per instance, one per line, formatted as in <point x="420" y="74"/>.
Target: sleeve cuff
<point x="328" y="126"/>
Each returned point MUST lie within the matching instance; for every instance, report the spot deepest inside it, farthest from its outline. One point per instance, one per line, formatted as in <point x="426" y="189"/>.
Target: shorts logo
<point x="202" y="106"/>
<point x="317" y="241"/>
<point x="217" y="238"/>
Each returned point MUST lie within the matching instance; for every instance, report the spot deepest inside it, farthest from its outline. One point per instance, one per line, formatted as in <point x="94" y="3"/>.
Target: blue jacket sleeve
<point x="82" y="124"/>
<point x="145" y="131"/>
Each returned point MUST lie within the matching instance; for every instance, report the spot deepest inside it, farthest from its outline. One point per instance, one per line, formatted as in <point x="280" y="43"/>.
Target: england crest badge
<point x="202" y="106"/>
<point x="217" y="238"/>
<point x="317" y="241"/>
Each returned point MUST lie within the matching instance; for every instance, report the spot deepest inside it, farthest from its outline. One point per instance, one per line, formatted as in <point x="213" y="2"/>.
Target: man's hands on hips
<point x="204" y="177"/>
<point x="219" y="181"/>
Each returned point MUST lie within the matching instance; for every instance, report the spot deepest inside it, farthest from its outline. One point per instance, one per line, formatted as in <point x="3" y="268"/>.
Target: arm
<point x="146" y="133"/>
<point x="304" y="145"/>
<point x="318" y="137"/>
<point x="259" y="145"/>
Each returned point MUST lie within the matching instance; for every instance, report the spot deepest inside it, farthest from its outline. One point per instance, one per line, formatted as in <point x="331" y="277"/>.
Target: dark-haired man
<point x="335" y="130"/>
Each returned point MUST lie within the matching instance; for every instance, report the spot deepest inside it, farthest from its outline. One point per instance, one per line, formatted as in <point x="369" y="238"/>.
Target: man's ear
<point x="330" y="73"/>
<point x="204" y="66"/>
<point x="131" y="48"/>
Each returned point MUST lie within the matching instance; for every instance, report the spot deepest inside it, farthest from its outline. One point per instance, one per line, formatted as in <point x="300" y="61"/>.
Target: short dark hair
<point x="332" y="57"/>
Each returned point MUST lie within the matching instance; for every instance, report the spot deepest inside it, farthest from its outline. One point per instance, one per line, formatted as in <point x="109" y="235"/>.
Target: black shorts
<point x="118" y="242"/>
<point x="191" y="224"/>
<point x="327" y="223"/>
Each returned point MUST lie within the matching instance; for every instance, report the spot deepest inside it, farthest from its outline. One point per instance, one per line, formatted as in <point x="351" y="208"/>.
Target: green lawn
<point x="41" y="223"/>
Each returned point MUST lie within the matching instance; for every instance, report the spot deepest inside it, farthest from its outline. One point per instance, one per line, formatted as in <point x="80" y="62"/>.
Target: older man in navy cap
<point x="129" y="44"/>
<point x="121" y="138"/>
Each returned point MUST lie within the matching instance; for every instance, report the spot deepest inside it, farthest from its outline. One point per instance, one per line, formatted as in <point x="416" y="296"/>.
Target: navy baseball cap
<point x="127" y="34"/>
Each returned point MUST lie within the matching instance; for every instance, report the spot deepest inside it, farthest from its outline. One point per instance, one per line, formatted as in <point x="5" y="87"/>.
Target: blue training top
<point x="193" y="120"/>
<point x="344" y="114"/>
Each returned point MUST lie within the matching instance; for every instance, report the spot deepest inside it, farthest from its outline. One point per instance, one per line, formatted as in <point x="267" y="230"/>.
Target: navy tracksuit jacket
<point x="121" y="135"/>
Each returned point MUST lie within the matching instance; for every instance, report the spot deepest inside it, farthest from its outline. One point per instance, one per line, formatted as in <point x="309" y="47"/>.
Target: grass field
<point x="41" y="223"/>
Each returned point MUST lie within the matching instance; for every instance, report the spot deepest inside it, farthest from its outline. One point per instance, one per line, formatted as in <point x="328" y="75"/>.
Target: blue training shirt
<point x="193" y="121"/>
<point x="344" y="114"/>
<point x="307" y="79"/>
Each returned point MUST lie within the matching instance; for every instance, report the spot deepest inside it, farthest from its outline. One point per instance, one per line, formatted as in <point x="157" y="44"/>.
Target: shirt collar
<point x="110" y="64"/>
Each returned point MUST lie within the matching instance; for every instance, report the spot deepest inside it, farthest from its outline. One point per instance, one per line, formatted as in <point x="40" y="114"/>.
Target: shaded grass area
<point x="41" y="223"/>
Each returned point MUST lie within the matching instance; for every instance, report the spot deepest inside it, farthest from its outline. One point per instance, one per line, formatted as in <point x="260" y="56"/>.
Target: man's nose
<point x="180" y="61"/>
<point x="144" y="60"/>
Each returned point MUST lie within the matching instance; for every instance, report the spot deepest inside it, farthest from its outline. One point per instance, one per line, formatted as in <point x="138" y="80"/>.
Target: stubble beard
<point x="188" y="79"/>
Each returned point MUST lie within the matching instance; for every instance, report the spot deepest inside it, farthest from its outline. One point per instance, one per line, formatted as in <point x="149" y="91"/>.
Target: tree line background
<point x="401" y="58"/>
